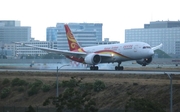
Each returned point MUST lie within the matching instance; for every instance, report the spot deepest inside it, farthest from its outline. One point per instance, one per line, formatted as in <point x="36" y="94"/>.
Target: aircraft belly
<point x="113" y="59"/>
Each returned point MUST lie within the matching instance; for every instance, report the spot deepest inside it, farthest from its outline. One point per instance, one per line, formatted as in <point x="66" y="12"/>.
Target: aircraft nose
<point x="151" y="52"/>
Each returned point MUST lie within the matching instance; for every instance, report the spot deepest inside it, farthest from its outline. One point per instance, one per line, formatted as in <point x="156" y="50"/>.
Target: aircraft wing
<point x="63" y="52"/>
<point x="157" y="47"/>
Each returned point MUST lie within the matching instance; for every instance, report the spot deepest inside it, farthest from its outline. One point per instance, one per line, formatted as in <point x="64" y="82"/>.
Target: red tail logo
<point x="73" y="44"/>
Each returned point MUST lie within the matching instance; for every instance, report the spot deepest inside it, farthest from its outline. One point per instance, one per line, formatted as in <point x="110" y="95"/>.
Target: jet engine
<point x="145" y="61"/>
<point x="92" y="59"/>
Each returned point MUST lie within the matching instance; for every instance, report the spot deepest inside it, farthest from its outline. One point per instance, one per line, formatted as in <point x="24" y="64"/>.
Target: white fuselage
<point x="122" y="52"/>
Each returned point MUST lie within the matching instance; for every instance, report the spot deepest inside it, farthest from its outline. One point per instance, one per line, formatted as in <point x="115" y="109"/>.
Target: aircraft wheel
<point x="96" y="67"/>
<point x="91" y="68"/>
<point x="121" y="68"/>
<point x="116" y="68"/>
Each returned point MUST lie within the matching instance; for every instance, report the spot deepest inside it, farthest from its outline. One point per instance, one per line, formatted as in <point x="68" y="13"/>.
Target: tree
<point x="73" y="98"/>
<point x="30" y="109"/>
<point x="143" y="105"/>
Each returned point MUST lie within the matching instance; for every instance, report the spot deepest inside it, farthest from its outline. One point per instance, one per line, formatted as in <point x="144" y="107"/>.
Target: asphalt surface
<point x="96" y="71"/>
<point x="103" y="68"/>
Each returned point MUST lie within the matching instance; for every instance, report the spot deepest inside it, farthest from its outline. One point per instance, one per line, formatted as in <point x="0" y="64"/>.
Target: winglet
<point x="157" y="47"/>
<point x="73" y="44"/>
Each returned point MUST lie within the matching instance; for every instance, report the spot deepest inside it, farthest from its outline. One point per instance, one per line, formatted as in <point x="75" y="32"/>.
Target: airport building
<point x="156" y="32"/>
<point x="87" y="34"/>
<point x="14" y="50"/>
<point x="26" y="51"/>
<point x="7" y="50"/>
<point x="11" y="31"/>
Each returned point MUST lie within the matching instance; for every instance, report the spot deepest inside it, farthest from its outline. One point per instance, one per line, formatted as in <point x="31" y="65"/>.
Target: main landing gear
<point x="93" y="67"/>
<point x="119" y="67"/>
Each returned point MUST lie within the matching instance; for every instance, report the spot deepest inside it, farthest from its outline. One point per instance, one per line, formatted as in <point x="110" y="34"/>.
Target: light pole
<point x="2" y="52"/>
<point x="57" y="92"/>
<point x="171" y="95"/>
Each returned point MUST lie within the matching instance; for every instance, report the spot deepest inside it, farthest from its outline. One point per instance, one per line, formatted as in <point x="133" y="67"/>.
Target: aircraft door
<point x="135" y="48"/>
<point x="119" y="49"/>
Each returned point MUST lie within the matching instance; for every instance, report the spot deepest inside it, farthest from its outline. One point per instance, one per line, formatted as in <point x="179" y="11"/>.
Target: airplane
<point x="141" y="52"/>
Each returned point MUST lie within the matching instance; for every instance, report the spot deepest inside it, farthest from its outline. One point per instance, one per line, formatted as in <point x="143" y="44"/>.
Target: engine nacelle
<point x="92" y="59"/>
<point x="145" y="61"/>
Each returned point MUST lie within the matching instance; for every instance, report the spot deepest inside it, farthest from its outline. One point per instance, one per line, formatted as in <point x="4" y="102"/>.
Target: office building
<point x="11" y="31"/>
<point x="51" y="34"/>
<point x="106" y="41"/>
<point x="9" y="23"/>
<point x="87" y="34"/>
<point x="165" y="32"/>
<point x="177" y="49"/>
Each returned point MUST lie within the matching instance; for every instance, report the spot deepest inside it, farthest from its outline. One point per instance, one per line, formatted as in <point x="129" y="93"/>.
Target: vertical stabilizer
<point x="73" y="44"/>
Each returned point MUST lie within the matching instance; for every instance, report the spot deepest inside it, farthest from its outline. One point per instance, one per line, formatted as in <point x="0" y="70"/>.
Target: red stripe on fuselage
<point x="80" y="60"/>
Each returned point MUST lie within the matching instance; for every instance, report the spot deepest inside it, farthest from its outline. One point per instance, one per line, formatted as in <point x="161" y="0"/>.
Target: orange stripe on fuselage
<point x="81" y="60"/>
<point x="112" y="52"/>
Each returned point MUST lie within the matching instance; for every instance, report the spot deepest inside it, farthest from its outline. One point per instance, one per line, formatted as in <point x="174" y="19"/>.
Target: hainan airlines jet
<point x="94" y="55"/>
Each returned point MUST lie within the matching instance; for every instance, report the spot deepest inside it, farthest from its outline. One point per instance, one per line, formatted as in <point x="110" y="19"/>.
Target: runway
<point x="103" y="68"/>
<point x="87" y="71"/>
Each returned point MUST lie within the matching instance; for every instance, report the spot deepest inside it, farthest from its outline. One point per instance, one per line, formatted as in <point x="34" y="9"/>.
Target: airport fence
<point x="49" y="109"/>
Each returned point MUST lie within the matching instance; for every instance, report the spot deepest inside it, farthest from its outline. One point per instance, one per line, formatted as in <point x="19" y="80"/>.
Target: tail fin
<point x="73" y="44"/>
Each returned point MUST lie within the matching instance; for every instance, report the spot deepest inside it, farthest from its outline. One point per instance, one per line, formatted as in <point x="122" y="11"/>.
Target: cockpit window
<point x="146" y="47"/>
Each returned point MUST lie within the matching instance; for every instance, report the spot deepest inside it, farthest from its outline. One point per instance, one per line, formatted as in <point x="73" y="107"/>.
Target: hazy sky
<point x="116" y="15"/>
